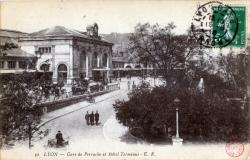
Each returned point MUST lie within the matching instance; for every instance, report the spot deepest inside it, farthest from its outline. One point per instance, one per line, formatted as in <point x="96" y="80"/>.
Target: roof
<point x="10" y="36"/>
<point x="11" y="33"/>
<point x="17" y="52"/>
<point x="59" y="31"/>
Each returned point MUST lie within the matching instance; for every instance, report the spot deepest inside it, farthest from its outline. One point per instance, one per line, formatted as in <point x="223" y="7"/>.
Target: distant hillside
<point x="120" y="41"/>
<point x="117" y="38"/>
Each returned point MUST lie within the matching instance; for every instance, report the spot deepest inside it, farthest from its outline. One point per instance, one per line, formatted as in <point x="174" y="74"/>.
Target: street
<point x="71" y="120"/>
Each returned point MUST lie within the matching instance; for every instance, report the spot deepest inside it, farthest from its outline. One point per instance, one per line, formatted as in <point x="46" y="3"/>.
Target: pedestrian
<point x="92" y="118"/>
<point x="133" y="85"/>
<point x="59" y="139"/>
<point x="128" y="85"/>
<point x="96" y="118"/>
<point x="87" y="118"/>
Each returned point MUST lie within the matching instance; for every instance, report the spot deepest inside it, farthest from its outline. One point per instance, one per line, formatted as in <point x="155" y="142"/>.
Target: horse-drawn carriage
<point x="78" y="90"/>
<point x="53" y="143"/>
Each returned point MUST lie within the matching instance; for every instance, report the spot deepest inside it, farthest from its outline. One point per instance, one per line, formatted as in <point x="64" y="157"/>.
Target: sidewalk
<point x="113" y="130"/>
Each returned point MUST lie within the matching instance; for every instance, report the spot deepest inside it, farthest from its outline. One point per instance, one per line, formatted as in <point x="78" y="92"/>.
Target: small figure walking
<point x="59" y="139"/>
<point x="133" y="85"/>
<point x="96" y="118"/>
<point x="87" y="118"/>
<point x="92" y="117"/>
<point x="128" y="85"/>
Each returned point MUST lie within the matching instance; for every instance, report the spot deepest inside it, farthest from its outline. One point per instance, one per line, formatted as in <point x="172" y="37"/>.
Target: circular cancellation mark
<point x="214" y="25"/>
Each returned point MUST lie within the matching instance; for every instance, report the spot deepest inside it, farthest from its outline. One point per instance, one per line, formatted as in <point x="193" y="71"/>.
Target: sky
<point x="111" y="15"/>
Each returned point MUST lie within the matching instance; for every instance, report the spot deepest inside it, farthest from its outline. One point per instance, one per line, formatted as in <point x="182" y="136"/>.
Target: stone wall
<point x="51" y="106"/>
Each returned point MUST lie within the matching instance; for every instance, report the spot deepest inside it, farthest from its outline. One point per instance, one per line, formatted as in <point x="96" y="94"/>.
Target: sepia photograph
<point x="124" y="80"/>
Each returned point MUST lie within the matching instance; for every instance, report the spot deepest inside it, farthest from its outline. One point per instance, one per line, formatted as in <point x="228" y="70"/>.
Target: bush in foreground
<point x="201" y="118"/>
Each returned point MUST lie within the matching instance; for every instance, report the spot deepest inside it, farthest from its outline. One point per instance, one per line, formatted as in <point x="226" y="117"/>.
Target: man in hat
<point x="92" y="118"/>
<point x="96" y="118"/>
<point x="59" y="139"/>
<point x="87" y="118"/>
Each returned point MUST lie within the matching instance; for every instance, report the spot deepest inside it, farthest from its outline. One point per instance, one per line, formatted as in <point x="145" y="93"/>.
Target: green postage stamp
<point x="228" y="26"/>
<point x="217" y="25"/>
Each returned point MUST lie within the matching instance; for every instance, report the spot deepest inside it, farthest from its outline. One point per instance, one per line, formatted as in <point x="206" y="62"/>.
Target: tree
<point x="18" y="106"/>
<point x="160" y="46"/>
<point x="202" y="118"/>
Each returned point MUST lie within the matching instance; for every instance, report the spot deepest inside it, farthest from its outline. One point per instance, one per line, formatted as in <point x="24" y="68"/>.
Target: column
<point x="87" y="67"/>
<point x="54" y="70"/>
<point x="17" y="64"/>
<point x="70" y="75"/>
<point x="98" y="61"/>
<point x="5" y="65"/>
<point x="108" y="68"/>
<point x="107" y="61"/>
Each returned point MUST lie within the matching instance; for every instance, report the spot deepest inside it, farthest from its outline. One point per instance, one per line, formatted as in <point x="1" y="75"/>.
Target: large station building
<point x="70" y="54"/>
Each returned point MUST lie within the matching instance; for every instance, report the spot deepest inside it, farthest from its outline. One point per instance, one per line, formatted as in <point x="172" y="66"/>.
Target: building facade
<point x="16" y="61"/>
<point x="13" y="60"/>
<point x="70" y="54"/>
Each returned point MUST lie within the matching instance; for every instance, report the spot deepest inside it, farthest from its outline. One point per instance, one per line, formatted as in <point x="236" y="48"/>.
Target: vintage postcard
<point x="124" y="79"/>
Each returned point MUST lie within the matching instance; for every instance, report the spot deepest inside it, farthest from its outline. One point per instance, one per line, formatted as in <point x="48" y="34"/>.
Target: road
<point x="73" y="125"/>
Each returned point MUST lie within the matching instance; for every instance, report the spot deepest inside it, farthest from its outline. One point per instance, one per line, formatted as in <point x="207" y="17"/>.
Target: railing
<point x="113" y="86"/>
<point x="69" y="96"/>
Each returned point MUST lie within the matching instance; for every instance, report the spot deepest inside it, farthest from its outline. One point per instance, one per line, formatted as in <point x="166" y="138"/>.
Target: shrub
<point x="202" y="118"/>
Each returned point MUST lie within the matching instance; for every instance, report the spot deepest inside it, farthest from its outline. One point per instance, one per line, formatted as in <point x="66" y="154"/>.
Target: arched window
<point x="128" y="66"/>
<point x="62" y="68"/>
<point x="44" y="67"/>
<point x="62" y="73"/>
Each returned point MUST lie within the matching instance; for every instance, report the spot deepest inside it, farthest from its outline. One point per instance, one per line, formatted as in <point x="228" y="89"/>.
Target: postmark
<point x="234" y="149"/>
<point x="201" y="23"/>
<point x="217" y="25"/>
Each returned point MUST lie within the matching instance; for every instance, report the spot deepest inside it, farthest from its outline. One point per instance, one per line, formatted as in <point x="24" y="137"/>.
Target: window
<point x="44" y="49"/>
<point x="11" y="64"/>
<point x="44" y="67"/>
<point x="1" y="64"/>
<point x="22" y="64"/>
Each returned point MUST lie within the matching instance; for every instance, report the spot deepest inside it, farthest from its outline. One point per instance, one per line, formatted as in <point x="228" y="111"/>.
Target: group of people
<point x="92" y="118"/>
<point x="129" y="84"/>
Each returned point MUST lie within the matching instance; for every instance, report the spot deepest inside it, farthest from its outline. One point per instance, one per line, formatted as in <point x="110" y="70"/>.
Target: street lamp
<point x="177" y="141"/>
<point x="30" y="119"/>
<point x="177" y="101"/>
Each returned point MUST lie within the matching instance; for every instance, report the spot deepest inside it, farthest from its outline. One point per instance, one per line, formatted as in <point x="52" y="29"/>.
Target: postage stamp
<point x="228" y="25"/>
<point x="217" y="25"/>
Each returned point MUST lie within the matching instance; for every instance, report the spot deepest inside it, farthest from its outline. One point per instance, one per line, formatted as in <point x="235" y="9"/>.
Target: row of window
<point x="44" y="49"/>
<point x="118" y="65"/>
<point x="12" y="64"/>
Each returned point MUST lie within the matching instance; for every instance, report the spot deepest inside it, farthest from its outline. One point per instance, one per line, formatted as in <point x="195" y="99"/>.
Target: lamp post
<point x="177" y="101"/>
<point x="177" y="141"/>
<point x="29" y="119"/>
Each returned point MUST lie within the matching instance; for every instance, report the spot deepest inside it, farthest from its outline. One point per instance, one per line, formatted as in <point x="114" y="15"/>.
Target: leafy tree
<point x="201" y="118"/>
<point x="160" y="46"/>
<point x="18" y="106"/>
